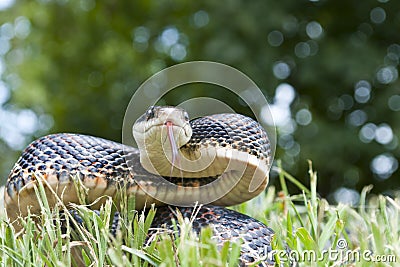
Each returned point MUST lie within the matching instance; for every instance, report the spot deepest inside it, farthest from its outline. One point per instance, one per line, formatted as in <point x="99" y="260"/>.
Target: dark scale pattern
<point x="232" y="131"/>
<point x="66" y="155"/>
<point x="227" y="225"/>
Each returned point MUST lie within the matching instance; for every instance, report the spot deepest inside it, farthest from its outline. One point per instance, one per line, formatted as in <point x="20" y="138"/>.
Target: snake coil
<point x="230" y="152"/>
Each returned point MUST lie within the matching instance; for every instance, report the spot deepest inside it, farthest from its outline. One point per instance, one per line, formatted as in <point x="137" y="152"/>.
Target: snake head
<point x="162" y="129"/>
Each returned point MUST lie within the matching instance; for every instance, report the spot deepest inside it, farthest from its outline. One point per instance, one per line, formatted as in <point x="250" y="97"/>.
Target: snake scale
<point x="217" y="160"/>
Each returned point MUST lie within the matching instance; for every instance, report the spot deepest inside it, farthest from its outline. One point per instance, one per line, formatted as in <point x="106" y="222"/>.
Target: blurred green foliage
<point x="76" y="64"/>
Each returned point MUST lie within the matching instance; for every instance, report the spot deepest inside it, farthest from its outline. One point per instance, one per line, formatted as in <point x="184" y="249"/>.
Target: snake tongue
<point x="172" y="142"/>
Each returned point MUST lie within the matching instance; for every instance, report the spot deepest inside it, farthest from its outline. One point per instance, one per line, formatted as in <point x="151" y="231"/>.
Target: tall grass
<point x="308" y="232"/>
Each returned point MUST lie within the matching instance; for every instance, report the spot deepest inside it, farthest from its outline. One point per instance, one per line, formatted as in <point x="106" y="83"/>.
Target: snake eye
<point x="186" y="116"/>
<point x="150" y="113"/>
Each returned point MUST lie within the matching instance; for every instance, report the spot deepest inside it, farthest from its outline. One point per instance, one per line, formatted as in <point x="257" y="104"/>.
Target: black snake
<point x="218" y="160"/>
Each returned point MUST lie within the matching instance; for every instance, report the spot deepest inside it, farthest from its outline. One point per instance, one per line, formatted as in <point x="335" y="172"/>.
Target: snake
<point x="213" y="161"/>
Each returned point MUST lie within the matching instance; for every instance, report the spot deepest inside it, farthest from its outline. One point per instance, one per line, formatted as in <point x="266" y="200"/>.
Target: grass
<point x="318" y="234"/>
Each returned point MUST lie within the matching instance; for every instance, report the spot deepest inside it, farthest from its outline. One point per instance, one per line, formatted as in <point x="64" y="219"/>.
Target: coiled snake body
<point x="220" y="160"/>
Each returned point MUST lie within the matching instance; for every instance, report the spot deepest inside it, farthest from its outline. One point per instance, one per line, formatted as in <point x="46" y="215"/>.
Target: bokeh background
<point x="328" y="68"/>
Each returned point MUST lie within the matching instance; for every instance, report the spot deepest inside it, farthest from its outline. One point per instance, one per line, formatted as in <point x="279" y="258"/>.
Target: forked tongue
<point x="174" y="147"/>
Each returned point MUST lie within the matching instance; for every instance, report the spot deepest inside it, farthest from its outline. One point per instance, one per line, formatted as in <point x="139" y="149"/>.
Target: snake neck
<point x="162" y="159"/>
<point x="158" y="158"/>
<point x="194" y="161"/>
